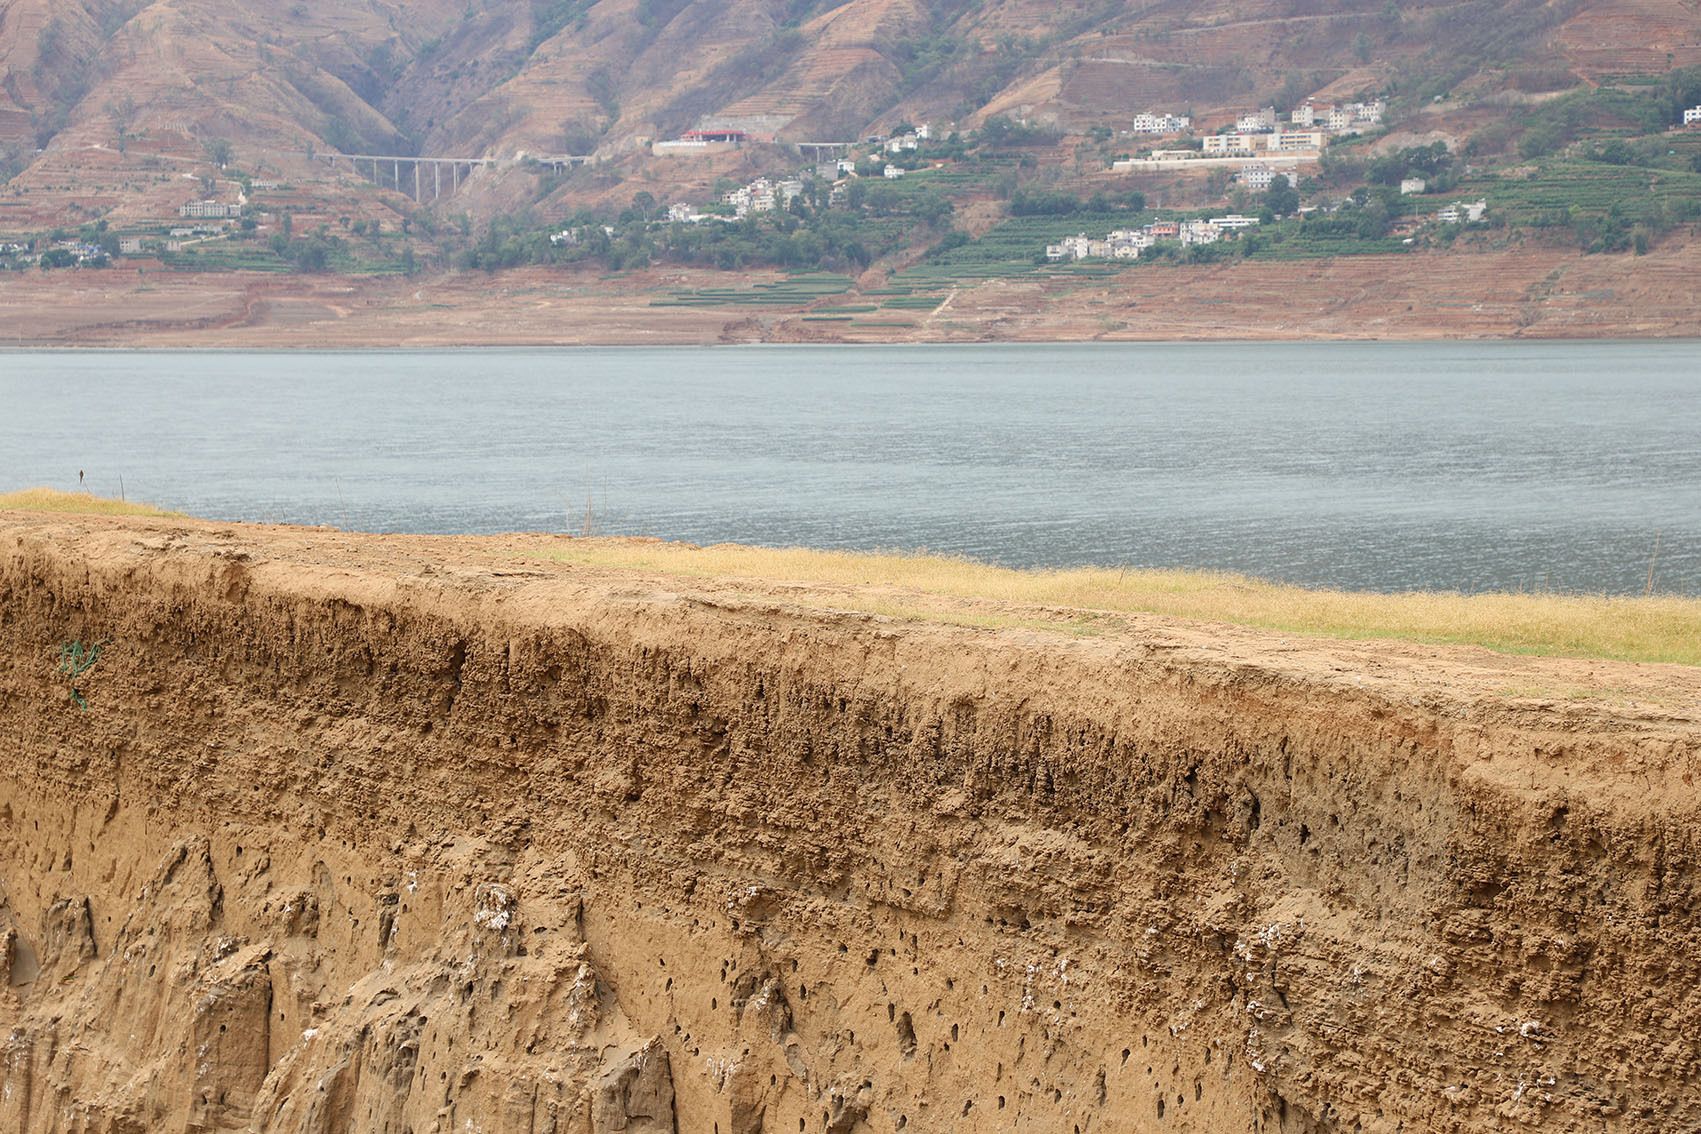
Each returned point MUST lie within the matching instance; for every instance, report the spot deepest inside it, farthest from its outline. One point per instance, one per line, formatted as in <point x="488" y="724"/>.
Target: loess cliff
<point x="363" y="833"/>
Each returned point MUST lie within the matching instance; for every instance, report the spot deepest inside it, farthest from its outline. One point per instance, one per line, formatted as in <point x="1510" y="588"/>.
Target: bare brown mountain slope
<point x="121" y="94"/>
<point x="408" y="834"/>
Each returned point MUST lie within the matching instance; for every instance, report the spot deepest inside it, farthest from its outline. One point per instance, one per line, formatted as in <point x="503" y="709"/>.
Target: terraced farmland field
<point x="1590" y="188"/>
<point x="223" y="256"/>
<point x="1011" y="248"/>
<point x="796" y="291"/>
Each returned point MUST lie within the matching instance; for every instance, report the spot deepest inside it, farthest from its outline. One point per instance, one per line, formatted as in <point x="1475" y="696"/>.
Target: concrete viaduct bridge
<point x="431" y="175"/>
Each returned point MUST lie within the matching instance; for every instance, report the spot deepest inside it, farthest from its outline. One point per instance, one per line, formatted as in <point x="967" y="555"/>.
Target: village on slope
<point x="846" y="204"/>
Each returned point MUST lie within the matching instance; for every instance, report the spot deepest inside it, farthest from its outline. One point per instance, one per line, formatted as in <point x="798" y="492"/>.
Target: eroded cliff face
<point x="385" y="834"/>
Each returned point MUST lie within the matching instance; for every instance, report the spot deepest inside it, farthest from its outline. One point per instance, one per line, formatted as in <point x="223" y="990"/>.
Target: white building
<point x="1160" y="124"/>
<point x="1258" y="120"/>
<point x="209" y="210"/>
<point x="1201" y="232"/>
<point x="1233" y="145"/>
<point x="1352" y="115"/>
<point x="1079" y="247"/>
<point x="902" y="143"/>
<point x="1304" y="116"/>
<point x="1259" y="178"/>
<point x="1128" y="243"/>
<point x="893" y="173"/>
<point x="1463" y="212"/>
<point x="1692" y="116"/>
<point x="1234" y="221"/>
<point x="764" y="196"/>
<point x="1411" y="185"/>
<point x="1294" y="141"/>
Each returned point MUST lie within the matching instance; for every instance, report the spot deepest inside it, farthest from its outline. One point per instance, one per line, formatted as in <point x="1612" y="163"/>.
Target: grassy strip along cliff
<point x="310" y="831"/>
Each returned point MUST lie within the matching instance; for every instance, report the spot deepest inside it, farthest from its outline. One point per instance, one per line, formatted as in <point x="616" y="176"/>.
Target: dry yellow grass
<point x="53" y="500"/>
<point x="1662" y="628"/>
<point x="1658" y="629"/>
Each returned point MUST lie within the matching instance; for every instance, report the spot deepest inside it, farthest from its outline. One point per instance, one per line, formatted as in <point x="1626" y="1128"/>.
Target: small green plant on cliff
<point x="76" y="659"/>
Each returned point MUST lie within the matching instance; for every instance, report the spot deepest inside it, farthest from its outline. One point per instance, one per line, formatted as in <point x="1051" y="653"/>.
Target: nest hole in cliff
<point x="906" y="1036"/>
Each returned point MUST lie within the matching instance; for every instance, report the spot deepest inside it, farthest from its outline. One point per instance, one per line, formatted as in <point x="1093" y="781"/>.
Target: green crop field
<point x="796" y="291"/>
<point x="1635" y="193"/>
<point x="1293" y="240"/>
<point x="224" y="257"/>
<point x="229" y="256"/>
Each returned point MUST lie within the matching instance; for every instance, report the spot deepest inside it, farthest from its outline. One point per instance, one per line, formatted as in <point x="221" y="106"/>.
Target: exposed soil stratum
<point x="366" y="833"/>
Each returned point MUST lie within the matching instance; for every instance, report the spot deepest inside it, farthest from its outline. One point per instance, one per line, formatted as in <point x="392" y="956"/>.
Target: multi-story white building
<point x="1294" y="141"/>
<point x="1256" y="121"/>
<point x="210" y="210"/>
<point x="1080" y="247"/>
<point x="1233" y="145"/>
<point x="1234" y="221"/>
<point x="1200" y="232"/>
<point x="1160" y="124"/>
<point x="1692" y="116"/>
<point x="1463" y="212"/>
<point x="1128" y="243"/>
<point x="764" y="196"/>
<point x="1259" y="178"/>
<point x="1304" y="116"/>
<point x="893" y="172"/>
<point x="1350" y="115"/>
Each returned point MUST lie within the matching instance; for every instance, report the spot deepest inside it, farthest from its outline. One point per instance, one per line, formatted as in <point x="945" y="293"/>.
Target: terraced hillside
<point x="118" y="93"/>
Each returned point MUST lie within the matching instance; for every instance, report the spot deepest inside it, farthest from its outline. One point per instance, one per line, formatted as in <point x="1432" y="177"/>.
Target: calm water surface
<point x="1481" y="466"/>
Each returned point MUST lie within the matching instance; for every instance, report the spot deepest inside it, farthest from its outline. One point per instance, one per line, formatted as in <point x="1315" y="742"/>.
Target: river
<point x="1481" y="466"/>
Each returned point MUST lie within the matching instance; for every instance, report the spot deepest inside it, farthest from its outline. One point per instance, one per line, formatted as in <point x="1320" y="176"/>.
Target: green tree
<point x="219" y="151"/>
<point x="1282" y="199"/>
<point x="123" y="115"/>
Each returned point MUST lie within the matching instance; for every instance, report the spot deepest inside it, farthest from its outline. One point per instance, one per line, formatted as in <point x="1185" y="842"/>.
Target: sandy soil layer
<point x="349" y="832"/>
<point x="1520" y="293"/>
